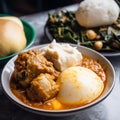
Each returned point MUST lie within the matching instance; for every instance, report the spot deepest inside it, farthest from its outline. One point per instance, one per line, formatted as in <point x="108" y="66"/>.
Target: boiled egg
<point x="78" y="86"/>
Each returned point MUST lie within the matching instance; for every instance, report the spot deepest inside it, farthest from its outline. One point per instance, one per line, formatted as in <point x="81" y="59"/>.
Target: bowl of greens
<point x="64" y="27"/>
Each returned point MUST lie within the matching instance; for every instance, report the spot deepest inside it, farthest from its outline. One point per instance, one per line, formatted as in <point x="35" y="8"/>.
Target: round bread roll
<point x="14" y="19"/>
<point x="94" y="13"/>
<point x="12" y="37"/>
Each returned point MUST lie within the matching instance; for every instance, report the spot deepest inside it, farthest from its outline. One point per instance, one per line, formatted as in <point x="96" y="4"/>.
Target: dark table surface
<point x="109" y="109"/>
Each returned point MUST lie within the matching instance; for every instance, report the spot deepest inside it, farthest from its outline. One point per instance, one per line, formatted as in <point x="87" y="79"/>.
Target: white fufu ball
<point x="79" y="86"/>
<point x="94" y="13"/>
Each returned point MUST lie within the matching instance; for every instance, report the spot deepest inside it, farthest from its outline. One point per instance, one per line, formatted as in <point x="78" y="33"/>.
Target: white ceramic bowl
<point x="9" y="67"/>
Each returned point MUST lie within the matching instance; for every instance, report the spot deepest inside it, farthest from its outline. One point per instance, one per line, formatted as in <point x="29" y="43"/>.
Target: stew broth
<point x="54" y="104"/>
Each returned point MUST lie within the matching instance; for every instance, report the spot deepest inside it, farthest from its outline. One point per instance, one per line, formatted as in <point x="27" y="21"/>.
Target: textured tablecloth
<point x="109" y="109"/>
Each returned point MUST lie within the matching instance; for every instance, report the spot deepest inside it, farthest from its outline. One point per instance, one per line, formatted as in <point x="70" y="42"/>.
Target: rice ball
<point x="94" y="13"/>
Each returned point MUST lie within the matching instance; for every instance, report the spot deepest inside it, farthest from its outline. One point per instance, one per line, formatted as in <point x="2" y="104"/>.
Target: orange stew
<point x="54" y="104"/>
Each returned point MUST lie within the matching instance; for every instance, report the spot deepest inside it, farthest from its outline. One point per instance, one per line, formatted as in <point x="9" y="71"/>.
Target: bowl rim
<point x="60" y="112"/>
<point x="27" y="45"/>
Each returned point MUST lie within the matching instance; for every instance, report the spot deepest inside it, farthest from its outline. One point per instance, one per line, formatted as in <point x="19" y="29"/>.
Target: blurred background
<point x="23" y="7"/>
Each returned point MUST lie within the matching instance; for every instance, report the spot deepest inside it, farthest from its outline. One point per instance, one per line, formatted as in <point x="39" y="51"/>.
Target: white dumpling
<point x="79" y="86"/>
<point x="61" y="55"/>
<point x="93" y="13"/>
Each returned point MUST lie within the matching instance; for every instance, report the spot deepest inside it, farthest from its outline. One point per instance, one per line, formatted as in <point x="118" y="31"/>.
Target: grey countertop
<point x="109" y="109"/>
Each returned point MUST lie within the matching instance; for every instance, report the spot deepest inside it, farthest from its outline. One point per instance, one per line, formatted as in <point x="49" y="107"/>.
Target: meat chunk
<point x="30" y="64"/>
<point x="42" y="88"/>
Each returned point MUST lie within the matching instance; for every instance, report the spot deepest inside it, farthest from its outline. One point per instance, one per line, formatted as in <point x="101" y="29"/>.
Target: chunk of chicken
<point x="30" y="64"/>
<point x="42" y="88"/>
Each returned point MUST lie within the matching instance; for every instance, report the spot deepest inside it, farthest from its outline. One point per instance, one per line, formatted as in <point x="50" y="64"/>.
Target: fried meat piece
<point x="42" y="88"/>
<point x="30" y="64"/>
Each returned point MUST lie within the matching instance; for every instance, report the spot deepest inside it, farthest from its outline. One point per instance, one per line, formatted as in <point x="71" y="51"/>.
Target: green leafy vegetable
<point x="64" y="28"/>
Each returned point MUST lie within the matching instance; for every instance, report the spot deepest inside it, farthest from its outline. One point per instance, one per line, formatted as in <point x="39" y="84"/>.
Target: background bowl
<point x="9" y="67"/>
<point x="30" y="37"/>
